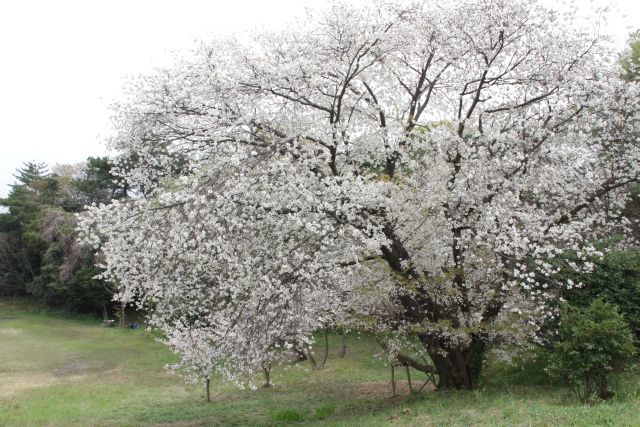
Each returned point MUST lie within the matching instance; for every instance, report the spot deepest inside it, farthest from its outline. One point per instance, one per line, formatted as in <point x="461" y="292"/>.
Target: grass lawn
<point x="57" y="370"/>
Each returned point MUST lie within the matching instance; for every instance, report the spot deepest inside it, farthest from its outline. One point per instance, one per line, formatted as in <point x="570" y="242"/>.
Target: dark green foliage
<point x="21" y="246"/>
<point x="39" y="254"/>
<point x="15" y="268"/>
<point x="98" y="184"/>
<point x="79" y="293"/>
<point x="616" y="279"/>
<point x="66" y="278"/>
<point x="591" y="344"/>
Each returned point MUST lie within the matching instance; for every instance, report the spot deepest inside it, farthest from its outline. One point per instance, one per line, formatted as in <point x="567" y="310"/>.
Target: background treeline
<point x="39" y="253"/>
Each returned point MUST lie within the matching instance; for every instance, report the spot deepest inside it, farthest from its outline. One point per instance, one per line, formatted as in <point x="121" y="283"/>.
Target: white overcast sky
<point x="63" y="62"/>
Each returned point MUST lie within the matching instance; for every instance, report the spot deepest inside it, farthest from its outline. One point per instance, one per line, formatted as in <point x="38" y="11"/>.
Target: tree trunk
<point x="207" y="384"/>
<point x="343" y="349"/>
<point x="326" y="348"/>
<point x="121" y="315"/>
<point x="393" y="380"/>
<point x="267" y="375"/>
<point x="458" y="367"/>
<point x="314" y="365"/>
<point x="406" y="367"/>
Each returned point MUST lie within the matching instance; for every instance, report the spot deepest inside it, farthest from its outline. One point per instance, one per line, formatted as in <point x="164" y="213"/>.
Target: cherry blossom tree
<point x="410" y="169"/>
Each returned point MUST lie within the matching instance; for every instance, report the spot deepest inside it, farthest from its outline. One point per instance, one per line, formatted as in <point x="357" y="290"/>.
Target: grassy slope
<point x="70" y="371"/>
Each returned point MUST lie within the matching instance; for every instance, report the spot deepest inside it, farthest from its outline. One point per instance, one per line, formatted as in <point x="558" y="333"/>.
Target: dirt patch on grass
<point x="15" y="383"/>
<point x="10" y="332"/>
<point x="381" y="389"/>
<point x="74" y="367"/>
<point x="76" y="371"/>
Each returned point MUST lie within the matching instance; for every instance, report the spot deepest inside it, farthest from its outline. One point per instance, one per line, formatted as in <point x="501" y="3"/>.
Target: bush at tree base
<point x="592" y="343"/>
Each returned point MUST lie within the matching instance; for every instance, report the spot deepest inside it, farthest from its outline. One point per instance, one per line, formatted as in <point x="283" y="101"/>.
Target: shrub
<point x="616" y="278"/>
<point x="591" y="344"/>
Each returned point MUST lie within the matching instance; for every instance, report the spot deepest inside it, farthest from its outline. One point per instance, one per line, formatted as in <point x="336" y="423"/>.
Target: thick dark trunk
<point x="459" y="367"/>
<point x="207" y="384"/>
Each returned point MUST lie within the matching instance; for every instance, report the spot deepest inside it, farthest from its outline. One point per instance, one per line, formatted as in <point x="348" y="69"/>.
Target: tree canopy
<point x="410" y="170"/>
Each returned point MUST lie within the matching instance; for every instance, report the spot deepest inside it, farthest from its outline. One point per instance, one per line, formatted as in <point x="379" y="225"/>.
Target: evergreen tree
<point x="39" y="253"/>
<point x="31" y="172"/>
<point x="98" y="184"/>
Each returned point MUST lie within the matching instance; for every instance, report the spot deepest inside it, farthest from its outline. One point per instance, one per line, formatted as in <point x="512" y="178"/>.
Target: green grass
<point x="63" y="371"/>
